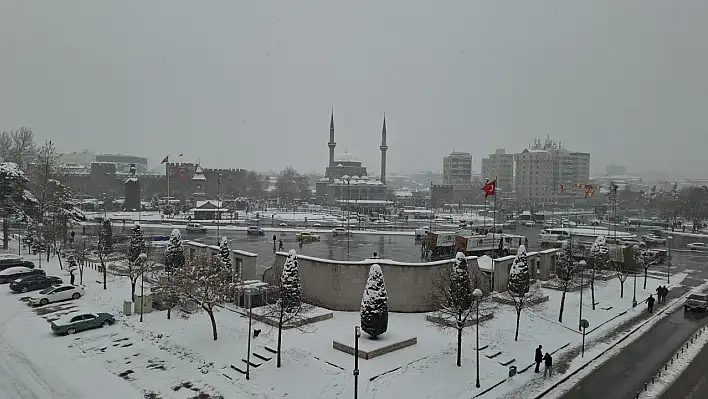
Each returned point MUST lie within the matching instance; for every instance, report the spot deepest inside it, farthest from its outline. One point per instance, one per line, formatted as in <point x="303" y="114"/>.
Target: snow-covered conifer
<point x="290" y="285"/>
<point x="225" y="253"/>
<point x="137" y="243"/>
<point x="174" y="255"/>
<point x="460" y="288"/>
<point x="519" y="276"/>
<point x="374" y="304"/>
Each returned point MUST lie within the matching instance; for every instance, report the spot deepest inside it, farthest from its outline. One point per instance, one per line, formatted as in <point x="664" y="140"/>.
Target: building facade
<point x="123" y="162"/>
<point x="500" y="166"/>
<point x="346" y="179"/>
<point x="457" y="168"/>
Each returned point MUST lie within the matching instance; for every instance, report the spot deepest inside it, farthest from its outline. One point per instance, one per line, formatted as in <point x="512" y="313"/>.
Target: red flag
<point x="590" y="192"/>
<point x="167" y="159"/>
<point x="562" y="188"/>
<point x="490" y="188"/>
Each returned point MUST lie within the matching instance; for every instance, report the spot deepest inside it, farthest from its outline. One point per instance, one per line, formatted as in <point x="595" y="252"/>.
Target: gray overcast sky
<point x="250" y="83"/>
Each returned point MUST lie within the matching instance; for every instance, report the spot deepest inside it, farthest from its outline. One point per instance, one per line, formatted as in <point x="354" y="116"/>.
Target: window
<point x="77" y="318"/>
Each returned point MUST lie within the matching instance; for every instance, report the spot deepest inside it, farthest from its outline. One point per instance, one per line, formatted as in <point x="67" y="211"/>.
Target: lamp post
<point x="218" y="207"/>
<point x="634" y="291"/>
<point x="249" y="295"/>
<point x="668" y="266"/>
<point x="357" y="334"/>
<point x="349" y="197"/>
<point x="477" y="293"/>
<point x="582" y="265"/>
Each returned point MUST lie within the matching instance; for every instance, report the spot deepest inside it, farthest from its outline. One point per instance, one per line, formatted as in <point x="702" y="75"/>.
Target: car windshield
<point x="46" y="290"/>
<point x="697" y="297"/>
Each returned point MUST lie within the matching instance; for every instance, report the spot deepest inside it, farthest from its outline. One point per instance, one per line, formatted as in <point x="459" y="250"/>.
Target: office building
<point x="500" y="166"/>
<point x="457" y="168"/>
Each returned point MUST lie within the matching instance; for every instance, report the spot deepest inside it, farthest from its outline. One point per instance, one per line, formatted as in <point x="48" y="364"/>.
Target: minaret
<point x="331" y="143"/>
<point x="383" y="147"/>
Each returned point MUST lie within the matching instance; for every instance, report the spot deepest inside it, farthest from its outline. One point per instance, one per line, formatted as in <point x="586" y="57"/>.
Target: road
<point x="693" y="382"/>
<point x="624" y="374"/>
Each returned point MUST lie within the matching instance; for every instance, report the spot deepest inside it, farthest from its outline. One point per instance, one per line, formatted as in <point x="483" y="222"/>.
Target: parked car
<point x="254" y="231"/>
<point x="34" y="283"/>
<point x="283" y="225"/>
<point x="81" y="322"/>
<point x="57" y="293"/>
<point x="698" y="246"/>
<point x="306" y="236"/>
<point x="13" y="273"/>
<point x="530" y="223"/>
<point x="510" y="225"/>
<point x="339" y="231"/>
<point x="196" y="228"/>
<point x="632" y="242"/>
<point x="8" y="261"/>
<point x="696" y="302"/>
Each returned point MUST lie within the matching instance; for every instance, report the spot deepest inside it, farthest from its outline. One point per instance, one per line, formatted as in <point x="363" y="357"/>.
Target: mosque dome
<point x="346" y="157"/>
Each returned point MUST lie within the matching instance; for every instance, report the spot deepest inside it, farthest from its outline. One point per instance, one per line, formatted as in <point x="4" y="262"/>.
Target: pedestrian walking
<point x="664" y="293"/>
<point x="71" y="275"/>
<point x="650" y="303"/>
<point x="659" y="291"/>
<point x="280" y="245"/>
<point x="538" y="358"/>
<point x="548" y="363"/>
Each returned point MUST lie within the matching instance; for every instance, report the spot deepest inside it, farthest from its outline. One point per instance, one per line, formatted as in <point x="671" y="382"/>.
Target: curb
<point x="668" y="309"/>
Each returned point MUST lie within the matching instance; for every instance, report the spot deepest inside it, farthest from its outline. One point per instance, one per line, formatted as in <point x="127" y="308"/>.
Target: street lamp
<point x="249" y="295"/>
<point x="582" y="265"/>
<point x="668" y="266"/>
<point x="477" y="293"/>
<point x="357" y="334"/>
<point x="218" y="207"/>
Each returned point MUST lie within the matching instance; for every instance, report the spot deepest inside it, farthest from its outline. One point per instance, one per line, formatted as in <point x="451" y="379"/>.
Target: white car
<point x="653" y="239"/>
<point x="698" y="246"/>
<point x="196" y="228"/>
<point x="530" y="223"/>
<point x="339" y="231"/>
<point x="57" y="293"/>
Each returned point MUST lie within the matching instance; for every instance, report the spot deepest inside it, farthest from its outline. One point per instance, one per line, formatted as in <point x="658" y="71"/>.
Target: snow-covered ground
<point x="177" y="358"/>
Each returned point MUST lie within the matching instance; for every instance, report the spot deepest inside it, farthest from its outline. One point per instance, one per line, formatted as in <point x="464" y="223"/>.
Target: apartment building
<point x="457" y="168"/>
<point x="500" y="166"/>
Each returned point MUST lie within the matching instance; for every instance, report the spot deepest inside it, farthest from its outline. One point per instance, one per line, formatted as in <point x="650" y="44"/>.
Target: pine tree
<point x="136" y="248"/>
<point x="566" y="272"/>
<point x="460" y="299"/>
<point x="374" y="304"/>
<point x="290" y="284"/>
<point x="174" y="260"/>
<point x="225" y="253"/>
<point x="519" y="284"/>
<point x="599" y="260"/>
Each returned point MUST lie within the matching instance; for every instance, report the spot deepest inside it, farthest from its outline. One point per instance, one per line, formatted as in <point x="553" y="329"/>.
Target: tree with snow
<point x="519" y="287"/>
<point x="205" y="282"/>
<point x="174" y="260"/>
<point x="644" y="259"/>
<point x="599" y="260"/>
<point x="453" y="296"/>
<point x="374" y="304"/>
<point x="136" y="247"/>
<point x="289" y="303"/>
<point x="567" y="272"/>
<point x="225" y="252"/>
<point x="61" y="212"/>
<point x="15" y="199"/>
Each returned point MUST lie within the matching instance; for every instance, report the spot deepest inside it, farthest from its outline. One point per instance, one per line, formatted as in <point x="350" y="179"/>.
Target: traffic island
<point x="371" y="348"/>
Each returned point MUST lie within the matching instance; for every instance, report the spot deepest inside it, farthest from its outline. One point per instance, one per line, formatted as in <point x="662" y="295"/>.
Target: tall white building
<point x="541" y="170"/>
<point x="457" y="168"/>
<point x="500" y="166"/>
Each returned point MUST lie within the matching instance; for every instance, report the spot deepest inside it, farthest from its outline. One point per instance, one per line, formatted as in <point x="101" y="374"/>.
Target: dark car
<point x="696" y="302"/>
<point x="255" y="231"/>
<point x="81" y="322"/>
<point x="14" y="273"/>
<point x="6" y="263"/>
<point x="34" y="283"/>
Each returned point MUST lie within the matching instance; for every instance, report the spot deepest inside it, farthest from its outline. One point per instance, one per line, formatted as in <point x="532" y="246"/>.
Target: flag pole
<point x="494" y="216"/>
<point x="167" y="177"/>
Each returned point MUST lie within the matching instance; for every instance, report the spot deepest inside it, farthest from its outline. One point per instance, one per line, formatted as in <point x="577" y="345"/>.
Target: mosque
<point x="347" y="181"/>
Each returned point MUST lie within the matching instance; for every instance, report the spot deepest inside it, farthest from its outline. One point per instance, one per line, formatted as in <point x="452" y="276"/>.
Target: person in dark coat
<point x="538" y="358"/>
<point x="280" y="245"/>
<point x="650" y="303"/>
<point x="548" y="363"/>
<point x="664" y="293"/>
<point x="71" y="274"/>
<point x="659" y="291"/>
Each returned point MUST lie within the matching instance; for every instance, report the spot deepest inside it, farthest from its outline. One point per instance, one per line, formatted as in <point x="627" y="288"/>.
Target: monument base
<point x="371" y="348"/>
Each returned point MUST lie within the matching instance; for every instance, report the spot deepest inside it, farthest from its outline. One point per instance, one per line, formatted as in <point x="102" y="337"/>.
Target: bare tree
<point x="620" y="270"/>
<point x="566" y="273"/>
<point x="599" y="260"/>
<point x="81" y="251"/>
<point x="695" y="205"/>
<point x="453" y="295"/>
<point x="205" y="282"/>
<point x="18" y="146"/>
<point x="520" y="288"/>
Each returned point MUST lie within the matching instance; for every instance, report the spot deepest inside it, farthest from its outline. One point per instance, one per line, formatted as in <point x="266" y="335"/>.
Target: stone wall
<point x="339" y="285"/>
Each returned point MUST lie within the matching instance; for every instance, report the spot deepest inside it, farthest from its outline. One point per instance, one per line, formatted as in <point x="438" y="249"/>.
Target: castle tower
<point x="384" y="148"/>
<point x="331" y="143"/>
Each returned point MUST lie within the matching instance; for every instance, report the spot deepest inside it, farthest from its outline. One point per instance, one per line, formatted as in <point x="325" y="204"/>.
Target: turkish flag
<point x="167" y="159"/>
<point x="490" y="188"/>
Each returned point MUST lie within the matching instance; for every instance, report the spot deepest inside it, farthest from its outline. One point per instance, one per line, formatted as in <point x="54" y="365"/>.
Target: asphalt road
<point x="693" y="382"/>
<point x="624" y="374"/>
